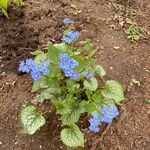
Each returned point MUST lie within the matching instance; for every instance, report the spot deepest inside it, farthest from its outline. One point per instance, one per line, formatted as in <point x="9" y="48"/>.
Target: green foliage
<point x="72" y="137"/>
<point x="18" y="3"/>
<point x="4" y="5"/>
<point x="91" y="85"/>
<point x="100" y="70"/>
<point x="53" y="53"/>
<point x="31" y="119"/>
<point x="70" y="97"/>
<point x="134" y="32"/>
<point x="113" y="90"/>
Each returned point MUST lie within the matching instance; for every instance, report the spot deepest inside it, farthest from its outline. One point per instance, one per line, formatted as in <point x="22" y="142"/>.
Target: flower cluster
<point x="67" y="21"/>
<point x="36" y="70"/>
<point x="88" y="74"/>
<point x="108" y="113"/>
<point x="94" y="122"/>
<point x="70" y="36"/>
<point x="67" y="64"/>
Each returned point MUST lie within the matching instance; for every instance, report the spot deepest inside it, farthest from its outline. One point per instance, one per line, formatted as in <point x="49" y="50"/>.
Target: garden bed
<point x="38" y="23"/>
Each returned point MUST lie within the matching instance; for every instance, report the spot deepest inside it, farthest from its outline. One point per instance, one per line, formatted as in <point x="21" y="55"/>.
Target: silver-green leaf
<point x="91" y="85"/>
<point x="72" y="137"/>
<point x="100" y="70"/>
<point x="31" y="119"/>
<point x="113" y="90"/>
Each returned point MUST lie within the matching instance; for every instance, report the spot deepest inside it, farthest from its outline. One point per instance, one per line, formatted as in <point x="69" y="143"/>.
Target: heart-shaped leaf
<point x="31" y="119"/>
<point x="72" y="137"/>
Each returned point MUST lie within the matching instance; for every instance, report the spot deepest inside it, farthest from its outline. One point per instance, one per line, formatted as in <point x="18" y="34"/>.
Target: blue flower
<point x="23" y="67"/>
<point x="36" y="75"/>
<point x="71" y="73"/>
<point x="35" y="69"/>
<point x="94" y="123"/>
<point x="44" y="67"/>
<point x="30" y="63"/>
<point x="64" y="57"/>
<point x="68" y="20"/>
<point x="109" y="112"/>
<point x="67" y="64"/>
<point x="93" y="128"/>
<point x="88" y="74"/>
<point x="73" y="63"/>
<point x="70" y="36"/>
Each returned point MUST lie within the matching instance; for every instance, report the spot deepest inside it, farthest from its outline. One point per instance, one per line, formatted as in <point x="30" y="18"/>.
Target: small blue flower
<point x="23" y="67"/>
<point x="75" y="75"/>
<point x="44" y="67"/>
<point x="94" y="122"/>
<point x="88" y="74"/>
<point x="68" y="20"/>
<point x="36" y="70"/>
<point x="45" y="64"/>
<point x="64" y="57"/>
<point x="45" y="71"/>
<point x="67" y="64"/>
<point x="109" y="112"/>
<point x="73" y="63"/>
<point x="36" y="75"/>
<point x="30" y="63"/>
<point x="94" y="129"/>
<point x="71" y="36"/>
<point x="72" y="74"/>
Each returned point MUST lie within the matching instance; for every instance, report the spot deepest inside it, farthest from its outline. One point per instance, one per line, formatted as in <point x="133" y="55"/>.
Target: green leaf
<point x="89" y="107"/>
<point x="39" y="84"/>
<point x="96" y="97"/>
<point x="113" y="90"/>
<point x="81" y="61"/>
<point x="91" y="85"/>
<point x="4" y="7"/>
<point x="85" y="45"/>
<point x="72" y="137"/>
<point x="45" y="82"/>
<point x="72" y="117"/>
<point x="72" y="86"/>
<point x="53" y="53"/>
<point x="37" y="52"/>
<point x="31" y="119"/>
<point x="62" y="107"/>
<point x="100" y="70"/>
<point x="4" y="4"/>
<point x="40" y="58"/>
<point x="49" y="93"/>
<point x="61" y="47"/>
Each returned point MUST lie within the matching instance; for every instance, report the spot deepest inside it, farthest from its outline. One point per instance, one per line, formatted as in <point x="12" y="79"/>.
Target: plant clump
<point x="66" y="76"/>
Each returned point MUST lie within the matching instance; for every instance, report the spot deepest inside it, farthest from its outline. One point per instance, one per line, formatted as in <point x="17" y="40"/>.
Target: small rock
<point x="116" y="47"/>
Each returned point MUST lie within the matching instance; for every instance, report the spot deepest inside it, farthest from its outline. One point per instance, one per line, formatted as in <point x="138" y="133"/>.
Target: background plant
<point x="66" y="76"/>
<point x="134" y="32"/>
<point x="4" y="5"/>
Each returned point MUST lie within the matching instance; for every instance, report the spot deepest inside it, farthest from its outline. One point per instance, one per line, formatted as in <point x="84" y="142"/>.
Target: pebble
<point x="111" y="68"/>
<point x="2" y="65"/>
<point x="0" y="143"/>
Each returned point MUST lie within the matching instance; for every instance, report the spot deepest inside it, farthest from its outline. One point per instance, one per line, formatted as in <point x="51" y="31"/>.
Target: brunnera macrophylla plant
<point x="4" y="5"/>
<point x="66" y="75"/>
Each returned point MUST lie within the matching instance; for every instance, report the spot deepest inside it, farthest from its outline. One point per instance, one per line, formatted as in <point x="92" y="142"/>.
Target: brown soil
<point x="38" y="23"/>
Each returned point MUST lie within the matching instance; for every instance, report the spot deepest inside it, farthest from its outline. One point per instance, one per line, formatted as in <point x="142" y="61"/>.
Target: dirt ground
<point x="38" y="23"/>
